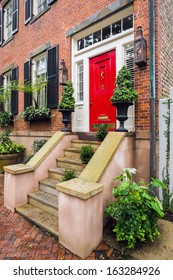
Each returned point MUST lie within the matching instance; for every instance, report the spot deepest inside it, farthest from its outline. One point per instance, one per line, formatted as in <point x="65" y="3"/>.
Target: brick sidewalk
<point x="20" y="239"/>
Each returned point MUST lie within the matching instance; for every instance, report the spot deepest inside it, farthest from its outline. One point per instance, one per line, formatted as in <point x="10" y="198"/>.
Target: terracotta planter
<point x="10" y="159"/>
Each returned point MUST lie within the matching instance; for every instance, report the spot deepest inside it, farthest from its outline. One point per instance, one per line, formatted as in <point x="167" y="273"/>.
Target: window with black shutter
<point x="15" y="16"/>
<point x="14" y="93"/>
<point x="27" y="78"/>
<point x="52" y="76"/>
<point x="28" y="10"/>
<point x="1" y="26"/>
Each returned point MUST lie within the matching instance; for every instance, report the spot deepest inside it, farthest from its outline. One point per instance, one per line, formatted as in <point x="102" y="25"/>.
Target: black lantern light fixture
<point x="63" y="73"/>
<point x="140" y="48"/>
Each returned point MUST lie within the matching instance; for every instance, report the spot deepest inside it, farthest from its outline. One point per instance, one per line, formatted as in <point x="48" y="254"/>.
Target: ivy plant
<point x="32" y="113"/>
<point x="135" y="212"/>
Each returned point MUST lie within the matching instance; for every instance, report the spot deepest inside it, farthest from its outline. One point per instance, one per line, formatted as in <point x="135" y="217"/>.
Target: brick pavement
<point x="20" y="239"/>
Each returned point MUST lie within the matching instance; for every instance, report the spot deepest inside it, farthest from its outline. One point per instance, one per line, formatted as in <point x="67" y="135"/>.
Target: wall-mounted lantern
<point x="63" y="73"/>
<point x="140" y="48"/>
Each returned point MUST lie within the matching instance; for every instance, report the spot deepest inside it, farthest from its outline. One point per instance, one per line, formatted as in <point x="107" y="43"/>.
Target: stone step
<point x="49" y="185"/>
<point x="71" y="164"/>
<point x="80" y="143"/>
<point x="73" y="153"/>
<point x="41" y="218"/>
<point x="57" y="173"/>
<point x="45" y="201"/>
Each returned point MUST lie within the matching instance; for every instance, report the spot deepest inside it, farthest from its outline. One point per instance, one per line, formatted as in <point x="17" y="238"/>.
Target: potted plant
<point x="101" y="133"/>
<point x="123" y="96"/>
<point x="10" y="151"/>
<point x="36" y="114"/>
<point x="67" y="105"/>
<point x="86" y="153"/>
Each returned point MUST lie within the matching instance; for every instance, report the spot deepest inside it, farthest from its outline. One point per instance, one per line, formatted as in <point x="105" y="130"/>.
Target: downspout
<point x="152" y="91"/>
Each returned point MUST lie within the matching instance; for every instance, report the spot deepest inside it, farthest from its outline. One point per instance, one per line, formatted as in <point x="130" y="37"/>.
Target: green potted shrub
<point x="135" y="212"/>
<point x="86" y="153"/>
<point x="123" y="96"/>
<point x="67" y="105"/>
<point x="10" y="151"/>
<point x="68" y="175"/>
<point x="101" y="133"/>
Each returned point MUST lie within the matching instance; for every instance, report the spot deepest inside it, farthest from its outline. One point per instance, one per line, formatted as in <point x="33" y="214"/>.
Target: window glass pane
<point x="88" y="40"/>
<point x="129" y="60"/>
<point x="41" y="5"/>
<point x="96" y="36"/>
<point x="80" y="44"/>
<point x="8" y="21"/>
<point x="106" y="32"/>
<point x="116" y="27"/>
<point x="127" y="22"/>
<point x="7" y="81"/>
<point x="39" y="79"/>
<point x="80" y="87"/>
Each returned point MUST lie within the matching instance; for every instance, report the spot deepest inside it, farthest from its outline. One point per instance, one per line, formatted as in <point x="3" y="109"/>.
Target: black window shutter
<point x="1" y="84"/>
<point x="52" y="76"/>
<point x="28" y="10"/>
<point x="50" y="1"/>
<point x="27" y="78"/>
<point x="15" y="16"/>
<point x="1" y="13"/>
<point x="14" y="93"/>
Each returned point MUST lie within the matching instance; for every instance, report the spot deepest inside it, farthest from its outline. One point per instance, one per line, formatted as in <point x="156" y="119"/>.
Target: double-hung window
<point x="34" y="8"/>
<point x="40" y="68"/>
<point x="10" y="96"/>
<point x="39" y="78"/>
<point x="8" y="20"/>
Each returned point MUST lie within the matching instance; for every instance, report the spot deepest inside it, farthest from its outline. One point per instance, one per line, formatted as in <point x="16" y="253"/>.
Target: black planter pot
<point x="66" y="119"/>
<point x="121" y="114"/>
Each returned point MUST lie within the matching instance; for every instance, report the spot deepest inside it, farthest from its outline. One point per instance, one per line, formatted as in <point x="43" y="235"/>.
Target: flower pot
<point x="9" y="159"/>
<point x="121" y="114"/>
<point x="66" y="119"/>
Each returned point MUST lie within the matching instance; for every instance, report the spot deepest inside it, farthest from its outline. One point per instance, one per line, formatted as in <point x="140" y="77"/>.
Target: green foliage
<point x="67" y="101"/>
<point x="124" y="91"/>
<point x="86" y="153"/>
<point x="135" y="212"/>
<point x="5" y="119"/>
<point x="68" y="175"/>
<point x="167" y="201"/>
<point x="32" y="113"/>
<point x="101" y="132"/>
<point x="36" y="146"/>
<point x="7" y="146"/>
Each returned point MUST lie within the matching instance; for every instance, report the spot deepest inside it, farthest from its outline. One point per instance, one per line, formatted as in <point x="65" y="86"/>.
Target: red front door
<point x="102" y="83"/>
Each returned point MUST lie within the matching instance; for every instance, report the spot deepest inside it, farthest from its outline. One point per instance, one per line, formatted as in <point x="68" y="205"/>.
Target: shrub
<point x="67" y="101"/>
<point x="36" y="146"/>
<point x="5" y="119"/>
<point x="135" y="212"/>
<point x="101" y="132"/>
<point x="86" y="153"/>
<point x="68" y="175"/>
<point x="7" y="146"/>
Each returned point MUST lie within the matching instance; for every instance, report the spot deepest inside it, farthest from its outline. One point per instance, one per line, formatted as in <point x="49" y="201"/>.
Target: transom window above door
<point x="106" y="32"/>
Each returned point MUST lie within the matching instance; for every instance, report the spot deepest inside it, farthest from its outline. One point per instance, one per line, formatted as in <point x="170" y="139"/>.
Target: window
<point x="106" y="32"/>
<point x="34" y="8"/>
<point x="80" y="88"/>
<point x="39" y="77"/>
<point x="8" y="20"/>
<point x="11" y="98"/>
<point x="7" y="81"/>
<point x="43" y="67"/>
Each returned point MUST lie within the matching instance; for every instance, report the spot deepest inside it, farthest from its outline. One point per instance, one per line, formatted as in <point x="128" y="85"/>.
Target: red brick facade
<point x="51" y="27"/>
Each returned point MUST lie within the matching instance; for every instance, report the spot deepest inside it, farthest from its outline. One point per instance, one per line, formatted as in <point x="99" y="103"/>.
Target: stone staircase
<point x="42" y="207"/>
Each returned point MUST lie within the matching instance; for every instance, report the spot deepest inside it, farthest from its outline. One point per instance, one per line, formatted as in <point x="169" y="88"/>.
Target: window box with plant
<point x="123" y="96"/>
<point x="67" y="105"/>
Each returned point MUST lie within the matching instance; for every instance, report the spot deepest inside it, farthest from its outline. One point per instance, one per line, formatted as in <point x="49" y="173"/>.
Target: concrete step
<point x="45" y="201"/>
<point x="71" y="164"/>
<point x="57" y="173"/>
<point x="39" y="217"/>
<point x="49" y="185"/>
<point x="80" y="143"/>
<point x="73" y="153"/>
